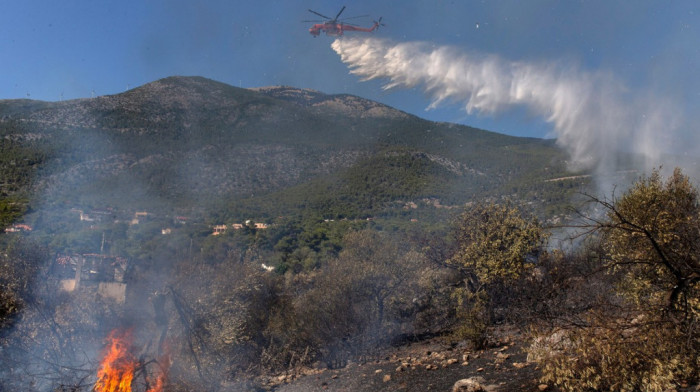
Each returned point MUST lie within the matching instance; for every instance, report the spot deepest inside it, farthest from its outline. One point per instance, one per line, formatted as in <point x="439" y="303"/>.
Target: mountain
<point x="195" y="145"/>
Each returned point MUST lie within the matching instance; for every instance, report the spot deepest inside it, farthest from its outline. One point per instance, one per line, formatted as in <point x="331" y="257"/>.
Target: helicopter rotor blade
<point x="354" y="17"/>
<point x="321" y="15"/>
<point x="313" y="21"/>
<point x="341" y="11"/>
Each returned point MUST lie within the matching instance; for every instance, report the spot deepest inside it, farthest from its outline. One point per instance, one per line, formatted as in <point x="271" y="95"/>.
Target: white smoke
<point x="593" y="116"/>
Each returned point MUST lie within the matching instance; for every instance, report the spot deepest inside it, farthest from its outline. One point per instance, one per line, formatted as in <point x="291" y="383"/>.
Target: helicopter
<point x="336" y="27"/>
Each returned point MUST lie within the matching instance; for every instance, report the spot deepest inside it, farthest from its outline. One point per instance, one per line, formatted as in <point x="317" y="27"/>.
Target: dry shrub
<point x="357" y="299"/>
<point x="616" y="356"/>
<point x="640" y="333"/>
<point x="472" y="316"/>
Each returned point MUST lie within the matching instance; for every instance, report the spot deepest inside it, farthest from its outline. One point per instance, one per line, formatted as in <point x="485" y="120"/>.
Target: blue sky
<point x="77" y="48"/>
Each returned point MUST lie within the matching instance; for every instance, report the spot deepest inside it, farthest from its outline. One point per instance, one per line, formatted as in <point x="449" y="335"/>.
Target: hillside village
<point x="108" y="216"/>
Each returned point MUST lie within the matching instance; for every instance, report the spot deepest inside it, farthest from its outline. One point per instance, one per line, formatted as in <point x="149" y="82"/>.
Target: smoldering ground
<point x="213" y="321"/>
<point x="57" y="338"/>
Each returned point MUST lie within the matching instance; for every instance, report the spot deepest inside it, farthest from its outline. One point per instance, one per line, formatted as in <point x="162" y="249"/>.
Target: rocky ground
<point x="430" y="365"/>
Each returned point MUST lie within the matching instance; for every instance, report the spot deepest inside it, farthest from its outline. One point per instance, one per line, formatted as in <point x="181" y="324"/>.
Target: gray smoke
<point x="593" y="115"/>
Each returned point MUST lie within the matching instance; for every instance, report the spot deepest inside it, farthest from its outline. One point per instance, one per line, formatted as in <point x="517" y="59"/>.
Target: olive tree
<point x="652" y="237"/>
<point x="495" y="244"/>
<point x="647" y="338"/>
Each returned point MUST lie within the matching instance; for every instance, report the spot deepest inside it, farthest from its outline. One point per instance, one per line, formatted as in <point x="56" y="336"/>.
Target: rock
<point x="502" y="356"/>
<point x="543" y="387"/>
<point x="451" y="361"/>
<point x="519" y="365"/>
<point x="386" y="378"/>
<point x="378" y="371"/>
<point x="473" y="384"/>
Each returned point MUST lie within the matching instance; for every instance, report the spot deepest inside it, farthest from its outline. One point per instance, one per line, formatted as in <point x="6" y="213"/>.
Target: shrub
<point x="615" y="355"/>
<point x="495" y="245"/>
<point x="642" y="331"/>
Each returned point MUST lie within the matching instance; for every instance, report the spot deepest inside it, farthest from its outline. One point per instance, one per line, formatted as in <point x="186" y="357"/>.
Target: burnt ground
<point x="430" y="365"/>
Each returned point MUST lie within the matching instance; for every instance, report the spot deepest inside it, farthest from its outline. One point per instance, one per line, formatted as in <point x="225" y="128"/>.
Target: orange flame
<point x="164" y="365"/>
<point x="118" y="366"/>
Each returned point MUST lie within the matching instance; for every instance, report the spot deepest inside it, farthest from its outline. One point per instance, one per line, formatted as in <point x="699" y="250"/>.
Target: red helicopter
<point x="336" y="27"/>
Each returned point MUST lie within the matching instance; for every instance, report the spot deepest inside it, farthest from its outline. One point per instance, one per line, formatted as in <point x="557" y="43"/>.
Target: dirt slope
<point x="431" y="365"/>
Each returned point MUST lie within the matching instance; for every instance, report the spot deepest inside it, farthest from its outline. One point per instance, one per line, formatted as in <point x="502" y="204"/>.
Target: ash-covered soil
<point x="430" y="365"/>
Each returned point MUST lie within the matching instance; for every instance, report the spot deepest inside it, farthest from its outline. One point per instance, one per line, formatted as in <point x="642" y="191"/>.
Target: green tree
<point x="652" y="237"/>
<point x="494" y="244"/>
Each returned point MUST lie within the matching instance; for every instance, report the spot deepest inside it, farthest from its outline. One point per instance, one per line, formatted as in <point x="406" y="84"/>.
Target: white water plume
<point x="594" y="117"/>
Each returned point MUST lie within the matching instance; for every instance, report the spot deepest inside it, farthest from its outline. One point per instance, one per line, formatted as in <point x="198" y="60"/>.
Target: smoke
<point x="593" y="115"/>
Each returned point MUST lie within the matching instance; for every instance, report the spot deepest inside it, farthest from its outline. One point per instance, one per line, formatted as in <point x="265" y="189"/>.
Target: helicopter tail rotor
<point x="378" y="23"/>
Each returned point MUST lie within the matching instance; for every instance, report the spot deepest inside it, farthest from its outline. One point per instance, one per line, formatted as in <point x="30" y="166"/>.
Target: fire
<point x="164" y="363"/>
<point x="119" y="366"/>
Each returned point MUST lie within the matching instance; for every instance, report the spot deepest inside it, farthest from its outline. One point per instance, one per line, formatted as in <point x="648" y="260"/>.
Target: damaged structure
<point x="101" y="274"/>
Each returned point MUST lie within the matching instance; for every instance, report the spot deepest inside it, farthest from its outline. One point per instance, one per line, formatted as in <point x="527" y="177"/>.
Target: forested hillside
<point x="189" y="143"/>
